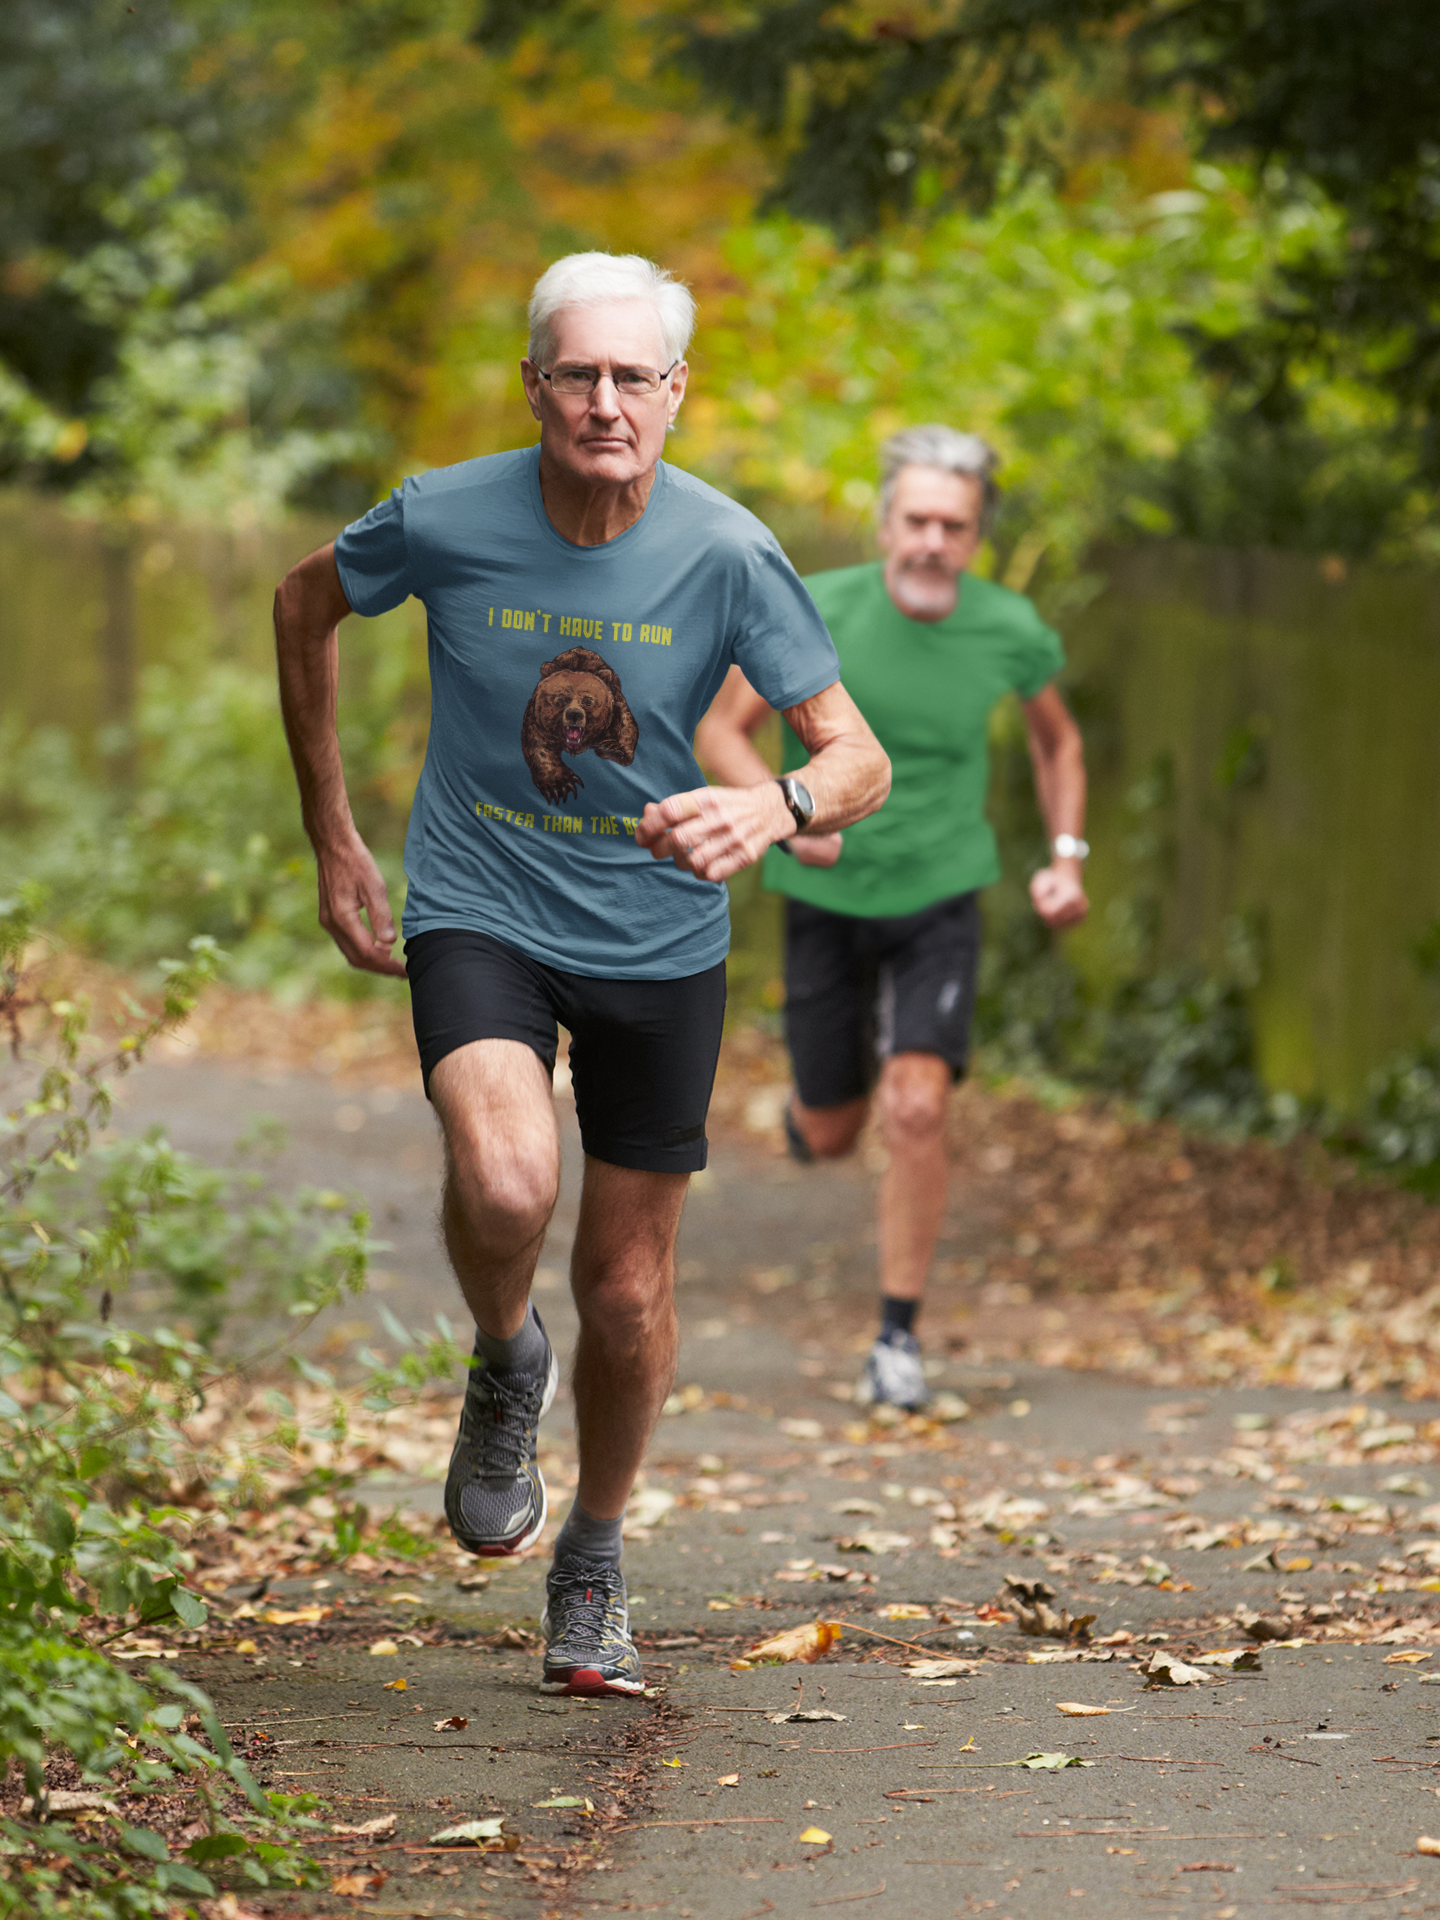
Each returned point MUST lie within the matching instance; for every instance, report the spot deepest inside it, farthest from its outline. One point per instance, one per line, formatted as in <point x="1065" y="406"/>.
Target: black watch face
<point x="801" y="803"/>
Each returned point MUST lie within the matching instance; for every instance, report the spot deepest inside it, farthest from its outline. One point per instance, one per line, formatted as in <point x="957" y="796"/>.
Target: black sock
<point x="897" y="1316"/>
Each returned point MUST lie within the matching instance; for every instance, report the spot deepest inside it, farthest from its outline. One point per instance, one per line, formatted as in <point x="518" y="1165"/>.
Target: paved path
<point x="1174" y="1518"/>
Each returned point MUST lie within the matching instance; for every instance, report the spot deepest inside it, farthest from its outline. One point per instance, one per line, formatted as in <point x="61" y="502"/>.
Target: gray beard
<point x="925" y="595"/>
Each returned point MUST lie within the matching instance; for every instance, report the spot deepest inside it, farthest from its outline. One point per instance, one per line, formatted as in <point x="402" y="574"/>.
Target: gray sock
<point x="583" y="1537"/>
<point x="523" y="1352"/>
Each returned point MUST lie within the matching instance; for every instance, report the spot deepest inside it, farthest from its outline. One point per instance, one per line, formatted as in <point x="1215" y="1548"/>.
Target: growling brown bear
<point x="578" y="707"/>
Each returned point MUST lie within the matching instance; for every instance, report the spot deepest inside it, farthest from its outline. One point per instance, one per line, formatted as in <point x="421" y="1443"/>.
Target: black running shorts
<point x="642" y="1052"/>
<point x="858" y="991"/>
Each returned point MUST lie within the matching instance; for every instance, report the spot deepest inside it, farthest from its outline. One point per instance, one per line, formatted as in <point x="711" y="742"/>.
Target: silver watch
<point x="1067" y="846"/>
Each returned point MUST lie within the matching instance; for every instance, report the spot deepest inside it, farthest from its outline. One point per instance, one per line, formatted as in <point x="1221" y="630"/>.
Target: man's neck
<point x="586" y="512"/>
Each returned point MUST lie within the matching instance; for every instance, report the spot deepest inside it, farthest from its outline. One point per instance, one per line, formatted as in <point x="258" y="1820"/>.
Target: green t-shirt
<point x="927" y="688"/>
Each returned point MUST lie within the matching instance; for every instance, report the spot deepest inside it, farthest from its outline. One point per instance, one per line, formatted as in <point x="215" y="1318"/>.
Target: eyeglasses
<point x="630" y="380"/>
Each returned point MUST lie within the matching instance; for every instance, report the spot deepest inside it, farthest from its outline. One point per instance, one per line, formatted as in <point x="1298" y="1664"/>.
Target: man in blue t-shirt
<point x="584" y="603"/>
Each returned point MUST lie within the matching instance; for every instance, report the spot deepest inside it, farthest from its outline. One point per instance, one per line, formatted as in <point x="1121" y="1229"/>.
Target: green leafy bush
<point x="95" y="1451"/>
<point x="1400" y="1128"/>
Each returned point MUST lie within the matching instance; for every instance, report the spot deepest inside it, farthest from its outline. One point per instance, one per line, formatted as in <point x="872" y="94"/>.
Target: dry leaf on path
<point x="457" y="1723"/>
<point x="246" y="1646"/>
<point x="383" y="1647"/>
<point x="394" y="1686"/>
<point x="805" y="1643"/>
<point x="794" y="1714"/>
<point x="1164" y="1670"/>
<point x="1034" y="1614"/>
<point x="904" y="1610"/>
<point x="74" y="1800"/>
<point x="1081" y="1710"/>
<point x="487" y="1834"/>
<point x="814" y="1837"/>
<point x="1051" y="1762"/>
<point x="942" y="1667"/>
<point x="359" y="1884"/>
<point x="1426" y="1845"/>
<point x="473" y="1583"/>
<point x="382" y="1823"/>
<point x="727" y="1780"/>
<point x="1410" y="1658"/>
<point x="873" y="1542"/>
<point x="309" y="1616"/>
<point x="1233" y="1659"/>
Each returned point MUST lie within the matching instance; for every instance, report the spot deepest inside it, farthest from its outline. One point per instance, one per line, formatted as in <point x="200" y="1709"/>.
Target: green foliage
<point x="209" y="843"/>
<point x="95" y="1449"/>
<point x="1400" y="1128"/>
<point x="870" y="118"/>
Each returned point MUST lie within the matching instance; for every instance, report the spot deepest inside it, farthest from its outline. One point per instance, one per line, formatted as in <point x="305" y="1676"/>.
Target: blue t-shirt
<point x="566" y="686"/>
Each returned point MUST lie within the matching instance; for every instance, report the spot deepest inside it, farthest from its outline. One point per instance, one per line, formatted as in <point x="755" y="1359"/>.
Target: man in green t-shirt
<point x="882" y="925"/>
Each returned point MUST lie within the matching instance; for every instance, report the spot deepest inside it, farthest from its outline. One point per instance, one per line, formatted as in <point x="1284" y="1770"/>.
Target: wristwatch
<point x="1067" y="846"/>
<point x="798" y="799"/>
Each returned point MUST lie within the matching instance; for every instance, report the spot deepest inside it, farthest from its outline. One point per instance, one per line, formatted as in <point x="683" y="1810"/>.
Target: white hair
<point x="592" y="280"/>
<point x="950" y="452"/>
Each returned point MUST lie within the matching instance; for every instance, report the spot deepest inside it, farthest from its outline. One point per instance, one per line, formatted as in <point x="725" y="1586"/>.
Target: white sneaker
<point x="894" y="1374"/>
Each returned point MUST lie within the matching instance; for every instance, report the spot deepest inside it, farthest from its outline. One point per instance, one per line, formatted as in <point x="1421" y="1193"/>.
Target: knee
<point x="503" y="1196"/>
<point x="912" y="1109"/>
<point x="628" y="1306"/>
<point x="831" y="1132"/>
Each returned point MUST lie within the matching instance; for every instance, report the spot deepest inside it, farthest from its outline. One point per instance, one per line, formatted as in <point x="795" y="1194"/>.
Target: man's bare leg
<point x="912" y="1097"/>
<point x="502" y="1174"/>
<point x="623" y="1278"/>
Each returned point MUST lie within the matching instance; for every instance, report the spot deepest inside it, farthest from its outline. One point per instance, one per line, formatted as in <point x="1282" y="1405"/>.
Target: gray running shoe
<point x="495" y="1492"/>
<point x="586" y="1624"/>
<point x="894" y="1374"/>
<point x="799" y="1147"/>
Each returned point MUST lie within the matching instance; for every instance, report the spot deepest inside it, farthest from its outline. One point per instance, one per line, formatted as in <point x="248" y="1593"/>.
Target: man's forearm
<point x="307" y="653"/>
<point x="847" y="779"/>
<point x="1060" y="788"/>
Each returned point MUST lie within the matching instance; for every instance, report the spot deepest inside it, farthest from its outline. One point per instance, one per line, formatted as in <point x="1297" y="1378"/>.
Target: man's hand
<point x="1058" y="894"/>
<point x="351" y="884"/>
<point x="819" y="850"/>
<point x="715" y="831"/>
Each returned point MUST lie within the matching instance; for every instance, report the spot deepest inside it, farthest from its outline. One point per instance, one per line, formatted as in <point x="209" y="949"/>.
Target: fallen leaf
<point x="246" y="1646"/>
<point x="576" y="1799"/>
<point x="1426" y="1845"/>
<point x="473" y="1583"/>
<point x="805" y="1643"/>
<point x="1410" y="1658"/>
<point x="357" y="1885"/>
<point x="1078" y="1709"/>
<point x="382" y="1823"/>
<point x="792" y="1715"/>
<point x="1164" y="1670"/>
<point x="415" y="1599"/>
<point x="903" y="1610"/>
<point x="873" y="1542"/>
<point x="855" y="1504"/>
<point x="817" y="1837"/>
<point x="803" y="1429"/>
<point x="1208" y="1866"/>
<point x="727" y="1780"/>
<point x="487" y="1833"/>
<point x="674" y="1763"/>
<point x="73" y="1800"/>
<point x="457" y="1723"/>
<point x="721" y="1606"/>
<point x="394" y="1686"/>
<point x="941" y="1667"/>
<point x="1035" y="1615"/>
<point x="1052" y="1762"/>
<point x="383" y="1647"/>
<point x="1233" y="1659"/>
<point x="308" y="1616"/>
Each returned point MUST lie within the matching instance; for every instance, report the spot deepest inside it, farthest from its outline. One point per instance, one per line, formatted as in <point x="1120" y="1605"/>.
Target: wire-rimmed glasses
<point x="637" y="382"/>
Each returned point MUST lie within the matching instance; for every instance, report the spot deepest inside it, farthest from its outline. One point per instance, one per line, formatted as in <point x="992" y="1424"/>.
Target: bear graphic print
<point x="577" y="707"/>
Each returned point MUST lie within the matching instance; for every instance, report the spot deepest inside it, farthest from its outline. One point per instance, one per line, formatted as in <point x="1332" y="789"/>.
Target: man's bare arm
<point x="725" y="747"/>
<point x="310" y="603"/>
<point x="1057" y="754"/>
<point x="716" y="831"/>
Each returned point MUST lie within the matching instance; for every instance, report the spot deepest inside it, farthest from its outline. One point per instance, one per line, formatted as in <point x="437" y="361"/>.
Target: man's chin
<point x="926" y="599"/>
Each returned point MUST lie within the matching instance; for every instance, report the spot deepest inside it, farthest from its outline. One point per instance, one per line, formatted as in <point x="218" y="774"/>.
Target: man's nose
<point x="605" y="400"/>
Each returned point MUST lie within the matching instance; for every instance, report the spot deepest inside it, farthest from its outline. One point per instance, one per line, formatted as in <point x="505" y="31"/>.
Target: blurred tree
<point x="868" y="116"/>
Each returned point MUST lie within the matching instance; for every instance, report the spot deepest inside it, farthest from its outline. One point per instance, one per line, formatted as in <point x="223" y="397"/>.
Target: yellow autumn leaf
<point x="383" y="1646"/>
<point x="395" y="1686"/>
<point x="814" y="1837"/>
<point x="246" y="1646"/>
<point x="1078" y="1709"/>
<point x="306" y="1616"/>
<point x="904" y="1610"/>
<point x="805" y="1643"/>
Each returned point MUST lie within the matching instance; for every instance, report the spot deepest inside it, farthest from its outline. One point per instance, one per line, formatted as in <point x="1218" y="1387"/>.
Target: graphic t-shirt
<point x="566" y="686"/>
<point x="927" y="688"/>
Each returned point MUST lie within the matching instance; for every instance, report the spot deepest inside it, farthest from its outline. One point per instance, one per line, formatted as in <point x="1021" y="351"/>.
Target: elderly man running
<point x="883" y="931"/>
<point x="585" y="602"/>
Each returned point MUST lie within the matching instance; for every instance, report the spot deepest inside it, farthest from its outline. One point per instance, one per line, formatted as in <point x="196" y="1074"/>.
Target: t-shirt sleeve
<point x="372" y="558"/>
<point x="782" y="645"/>
<point x="1039" y="656"/>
